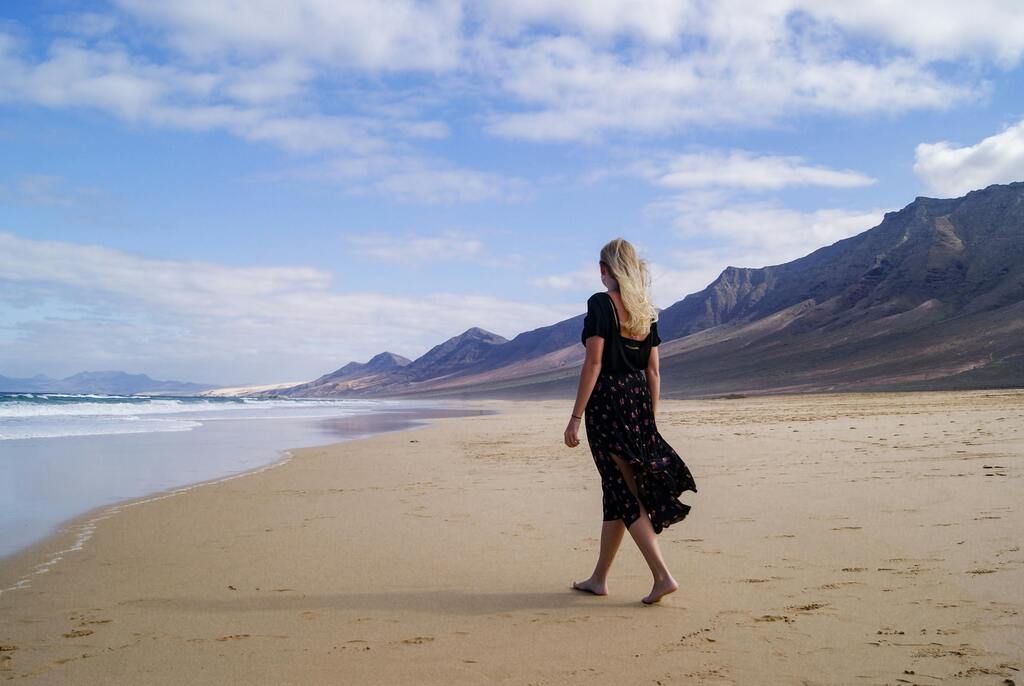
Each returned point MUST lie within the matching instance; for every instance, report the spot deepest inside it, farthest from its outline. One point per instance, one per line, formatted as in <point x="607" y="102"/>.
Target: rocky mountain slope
<point x="932" y="297"/>
<point x="352" y="378"/>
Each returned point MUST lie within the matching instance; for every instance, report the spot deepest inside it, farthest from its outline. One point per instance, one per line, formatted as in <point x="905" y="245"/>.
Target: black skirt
<point x="619" y="420"/>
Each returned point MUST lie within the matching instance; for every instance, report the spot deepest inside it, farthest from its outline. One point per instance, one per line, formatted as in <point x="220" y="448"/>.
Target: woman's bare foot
<point x="661" y="589"/>
<point x="591" y="586"/>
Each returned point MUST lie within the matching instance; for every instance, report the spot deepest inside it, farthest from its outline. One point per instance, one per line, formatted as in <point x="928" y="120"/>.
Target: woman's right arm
<point x="588" y="379"/>
<point x="588" y="373"/>
<point x="653" y="373"/>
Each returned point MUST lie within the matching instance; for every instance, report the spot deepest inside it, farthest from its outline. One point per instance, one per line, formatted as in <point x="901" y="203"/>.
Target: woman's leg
<point x="646" y="540"/>
<point x="611" y="536"/>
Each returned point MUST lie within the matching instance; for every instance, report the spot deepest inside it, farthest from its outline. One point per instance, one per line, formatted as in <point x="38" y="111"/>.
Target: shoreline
<point x="836" y="538"/>
<point x="72" y="534"/>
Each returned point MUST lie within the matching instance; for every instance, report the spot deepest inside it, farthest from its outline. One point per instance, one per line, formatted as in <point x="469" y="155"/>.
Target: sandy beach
<point x="846" y="538"/>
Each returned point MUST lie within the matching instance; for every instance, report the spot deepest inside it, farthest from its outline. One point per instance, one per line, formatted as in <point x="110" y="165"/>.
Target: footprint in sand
<point x="854" y="569"/>
<point x="809" y="607"/>
<point x="693" y="634"/>
<point x="85" y="619"/>
<point x="75" y="633"/>
<point x="841" y="528"/>
<point x="707" y="674"/>
<point x="963" y="650"/>
<point x="232" y="637"/>
<point x="416" y="640"/>
<point x="773" y="618"/>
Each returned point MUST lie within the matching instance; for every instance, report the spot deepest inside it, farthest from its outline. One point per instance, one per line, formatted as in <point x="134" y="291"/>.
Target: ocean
<point x="62" y="455"/>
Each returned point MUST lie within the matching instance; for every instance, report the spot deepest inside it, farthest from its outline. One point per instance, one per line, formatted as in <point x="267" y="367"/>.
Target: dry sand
<point x="861" y="539"/>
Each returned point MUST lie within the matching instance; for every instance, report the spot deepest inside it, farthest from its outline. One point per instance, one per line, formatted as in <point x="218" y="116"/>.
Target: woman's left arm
<point x="588" y="378"/>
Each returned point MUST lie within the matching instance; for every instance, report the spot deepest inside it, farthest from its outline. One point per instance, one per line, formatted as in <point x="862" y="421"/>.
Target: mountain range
<point x="107" y="382"/>
<point x="930" y="298"/>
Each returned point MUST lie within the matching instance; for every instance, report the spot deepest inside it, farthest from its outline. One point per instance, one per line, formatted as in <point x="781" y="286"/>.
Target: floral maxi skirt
<point x="619" y="420"/>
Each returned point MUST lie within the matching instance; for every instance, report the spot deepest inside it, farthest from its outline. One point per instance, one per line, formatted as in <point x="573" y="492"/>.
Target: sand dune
<point x="853" y="538"/>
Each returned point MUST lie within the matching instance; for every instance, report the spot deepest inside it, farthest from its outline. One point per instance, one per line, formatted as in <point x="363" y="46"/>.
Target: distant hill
<point x="932" y="297"/>
<point x="351" y="378"/>
<point x="28" y="385"/>
<point x="470" y="357"/>
<point x="105" y="382"/>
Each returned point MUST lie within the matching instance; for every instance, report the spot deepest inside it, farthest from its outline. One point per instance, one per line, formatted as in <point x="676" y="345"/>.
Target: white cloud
<point x="569" y="71"/>
<point x="925" y="29"/>
<point x="780" y="234"/>
<point x="134" y="89"/>
<point x="763" y="232"/>
<point x="736" y="169"/>
<point x="951" y="170"/>
<point x="252" y="103"/>
<point x="420" y="181"/>
<point x="410" y="247"/>
<point x="208" y="321"/>
<point x="934" y="30"/>
<point x="407" y="178"/>
<point x="741" y="65"/>
<point x="579" y="280"/>
<point x="578" y="94"/>
<point x="438" y="35"/>
<point x="272" y="81"/>
<point x="384" y="35"/>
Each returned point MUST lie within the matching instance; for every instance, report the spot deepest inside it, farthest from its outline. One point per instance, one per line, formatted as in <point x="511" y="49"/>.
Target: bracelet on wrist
<point x="575" y="417"/>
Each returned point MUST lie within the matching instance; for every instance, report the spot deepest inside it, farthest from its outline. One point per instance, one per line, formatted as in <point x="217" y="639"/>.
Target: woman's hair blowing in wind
<point x="634" y="282"/>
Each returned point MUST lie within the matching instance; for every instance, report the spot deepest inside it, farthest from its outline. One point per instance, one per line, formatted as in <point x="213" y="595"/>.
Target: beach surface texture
<point x="843" y="538"/>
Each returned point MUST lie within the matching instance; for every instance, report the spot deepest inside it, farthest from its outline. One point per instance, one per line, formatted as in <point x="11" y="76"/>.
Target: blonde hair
<point x="634" y="281"/>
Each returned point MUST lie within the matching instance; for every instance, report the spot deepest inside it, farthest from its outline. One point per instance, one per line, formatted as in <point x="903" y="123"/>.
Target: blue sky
<point x="260" y="192"/>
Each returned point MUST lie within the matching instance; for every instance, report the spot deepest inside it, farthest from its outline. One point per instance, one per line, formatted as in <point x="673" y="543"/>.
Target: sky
<point x="252" y="191"/>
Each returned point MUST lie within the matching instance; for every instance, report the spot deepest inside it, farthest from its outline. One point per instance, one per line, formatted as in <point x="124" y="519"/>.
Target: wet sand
<point x="846" y="538"/>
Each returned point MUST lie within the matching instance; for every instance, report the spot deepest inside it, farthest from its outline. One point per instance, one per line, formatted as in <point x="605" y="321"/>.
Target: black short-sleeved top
<point x="621" y="354"/>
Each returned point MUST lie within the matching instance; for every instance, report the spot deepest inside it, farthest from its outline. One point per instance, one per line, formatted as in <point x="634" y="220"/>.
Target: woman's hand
<point x="572" y="432"/>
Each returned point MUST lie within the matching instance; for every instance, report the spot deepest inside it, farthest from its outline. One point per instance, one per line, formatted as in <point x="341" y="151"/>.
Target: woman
<point x="641" y="475"/>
